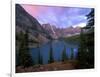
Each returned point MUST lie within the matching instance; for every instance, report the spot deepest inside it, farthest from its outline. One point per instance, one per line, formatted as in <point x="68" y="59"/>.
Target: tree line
<point x="86" y="48"/>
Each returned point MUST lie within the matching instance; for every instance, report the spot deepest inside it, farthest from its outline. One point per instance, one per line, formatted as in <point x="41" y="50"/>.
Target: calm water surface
<point x="58" y="47"/>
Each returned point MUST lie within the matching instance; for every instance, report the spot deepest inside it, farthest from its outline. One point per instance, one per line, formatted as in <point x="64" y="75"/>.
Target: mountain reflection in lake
<point x="57" y="46"/>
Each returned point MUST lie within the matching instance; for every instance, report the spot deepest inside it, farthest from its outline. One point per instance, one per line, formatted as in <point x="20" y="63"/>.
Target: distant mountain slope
<point x="56" y="32"/>
<point x="25" y="21"/>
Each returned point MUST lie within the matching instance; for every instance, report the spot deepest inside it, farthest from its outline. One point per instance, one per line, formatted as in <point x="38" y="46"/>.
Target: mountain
<point x="70" y="31"/>
<point x="56" y="32"/>
<point x="37" y="32"/>
<point x="25" y="21"/>
<point x="51" y="30"/>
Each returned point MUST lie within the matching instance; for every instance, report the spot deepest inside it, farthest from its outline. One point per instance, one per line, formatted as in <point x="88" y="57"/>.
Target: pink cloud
<point x="33" y="10"/>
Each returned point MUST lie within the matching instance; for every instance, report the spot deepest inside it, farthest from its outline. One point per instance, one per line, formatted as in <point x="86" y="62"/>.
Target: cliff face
<point x="25" y="21"/>
<point x="56" y="32"/>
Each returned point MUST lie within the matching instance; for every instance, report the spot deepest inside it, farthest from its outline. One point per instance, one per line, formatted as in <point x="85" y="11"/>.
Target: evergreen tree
<point x="82" y="51"/>
<point x="24" y="55"/>
<point x="51" y="59"/>
<point x="72" y="54"/>
<point x="90" y="18"/>
<point x="86" y="49"/>
<point x="64" y="56"/>
<point x="90" y="39"/>
<point x="40" y="58"/>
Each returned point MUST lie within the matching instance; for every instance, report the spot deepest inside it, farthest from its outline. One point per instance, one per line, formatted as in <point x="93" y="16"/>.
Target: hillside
<point x="25" y="21"/>
<point x="57" y="32"/>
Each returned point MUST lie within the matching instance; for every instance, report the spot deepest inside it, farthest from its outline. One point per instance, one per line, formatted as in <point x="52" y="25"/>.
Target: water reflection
<point x="57" y="48"/>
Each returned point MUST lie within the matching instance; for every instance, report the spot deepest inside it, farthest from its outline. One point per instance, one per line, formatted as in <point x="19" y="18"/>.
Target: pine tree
<point x="64" y="56"/>
<point x="90" y="18"/>
<point x="82" y="55"/>
<point x="90" y="39"/>
<point x="72" y="54"/>
<point x="40" y="58"/>
<point x="51" y="59"/>
<point x="86" y="49"/>
<point x="24" y="55"/>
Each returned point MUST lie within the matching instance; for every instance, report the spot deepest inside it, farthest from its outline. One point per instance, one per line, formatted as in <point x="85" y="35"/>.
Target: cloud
<point x="59" y="16"/>
<point x="80" y="25"/>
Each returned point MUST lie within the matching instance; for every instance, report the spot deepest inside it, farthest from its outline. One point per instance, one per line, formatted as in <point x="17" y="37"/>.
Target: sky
<point x="61" y="17"/>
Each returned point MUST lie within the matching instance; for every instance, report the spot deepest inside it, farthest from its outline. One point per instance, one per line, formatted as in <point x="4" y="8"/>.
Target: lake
<point x="57" y="48"/>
